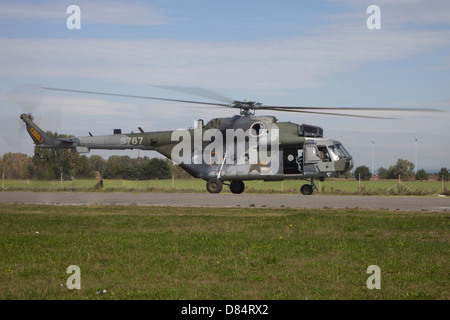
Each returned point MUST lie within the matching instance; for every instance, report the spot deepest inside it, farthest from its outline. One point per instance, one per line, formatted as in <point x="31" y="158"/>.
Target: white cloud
<point x="301" y="62"/>
<point x="437" y="104"/>
<point x="398" y="14"/>
<point x="92" y="12"/>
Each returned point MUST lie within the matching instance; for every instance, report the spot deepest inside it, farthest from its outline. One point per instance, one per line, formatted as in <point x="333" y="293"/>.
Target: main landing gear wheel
<point x="214" y="186"/>
<point x="306" y="189"/>
<point x="237" y="187"/>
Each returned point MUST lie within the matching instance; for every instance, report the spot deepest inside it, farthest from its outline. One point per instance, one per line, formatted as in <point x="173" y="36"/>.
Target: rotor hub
<point x="247" y="107"/>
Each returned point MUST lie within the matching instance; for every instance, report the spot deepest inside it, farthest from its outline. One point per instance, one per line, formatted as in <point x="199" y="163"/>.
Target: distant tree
<point x="363" y="173"/>
<point x="15" y="165"/>
<point x="27" y="172"/>
<point x="154" y="169"/>
<point x="119" y="167"/>
<point x="444" y="174"/>
<point x="421" y="175"/>
<point x="83" y="168"/>
<point x="403" y="168"/>
<point x="124" y="167"/>
<point x="50" y="163"/>
<point x="383" y="173"/>
<point x="96" y="163"/>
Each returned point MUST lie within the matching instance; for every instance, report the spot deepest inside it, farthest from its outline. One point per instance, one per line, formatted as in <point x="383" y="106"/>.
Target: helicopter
<point x="231" y="150"/>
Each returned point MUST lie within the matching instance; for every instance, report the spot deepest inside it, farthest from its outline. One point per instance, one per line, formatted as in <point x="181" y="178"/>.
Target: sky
<point x="291" y="53"/>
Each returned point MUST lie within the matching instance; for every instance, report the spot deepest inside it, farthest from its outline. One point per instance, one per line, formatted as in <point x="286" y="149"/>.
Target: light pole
<point x="415" y="154"/>
<point x="373" y="142"/>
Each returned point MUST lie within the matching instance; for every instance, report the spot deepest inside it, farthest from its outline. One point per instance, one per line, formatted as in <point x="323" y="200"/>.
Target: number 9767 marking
<point x="131" y="141"/>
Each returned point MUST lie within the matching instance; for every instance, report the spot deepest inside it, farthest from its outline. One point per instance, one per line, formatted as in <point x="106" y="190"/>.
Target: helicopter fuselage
<point x="232" y="149"/>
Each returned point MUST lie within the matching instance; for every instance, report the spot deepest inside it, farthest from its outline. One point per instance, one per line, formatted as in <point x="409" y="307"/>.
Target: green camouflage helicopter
<point x="229" y="150"/>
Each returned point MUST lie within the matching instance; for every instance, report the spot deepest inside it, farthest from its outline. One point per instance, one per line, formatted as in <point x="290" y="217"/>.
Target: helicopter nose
<point x="344" y="165"/>
<point x="348" y="165"/>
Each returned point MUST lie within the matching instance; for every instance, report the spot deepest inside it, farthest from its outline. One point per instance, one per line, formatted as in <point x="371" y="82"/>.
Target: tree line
<point x="67" y="164"/>
<point x="403" y="169"/>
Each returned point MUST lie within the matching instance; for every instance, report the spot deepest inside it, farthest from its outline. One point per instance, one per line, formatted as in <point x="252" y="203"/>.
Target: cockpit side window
<point x="334" y="154"/>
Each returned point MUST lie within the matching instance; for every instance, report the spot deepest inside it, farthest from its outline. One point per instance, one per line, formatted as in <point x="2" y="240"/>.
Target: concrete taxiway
<point x="407" y="203"/>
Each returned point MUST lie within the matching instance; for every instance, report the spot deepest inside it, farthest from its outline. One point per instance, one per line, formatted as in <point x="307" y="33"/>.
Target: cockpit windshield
<point x="337" y="151"/>
<point x="342" y="150"/>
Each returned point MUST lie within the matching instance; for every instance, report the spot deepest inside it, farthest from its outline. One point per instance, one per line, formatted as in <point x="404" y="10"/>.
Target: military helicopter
<point x="229" y="151"/>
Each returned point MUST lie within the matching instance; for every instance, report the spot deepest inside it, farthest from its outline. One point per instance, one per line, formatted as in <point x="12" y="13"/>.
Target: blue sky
<point x="296" y="53"/>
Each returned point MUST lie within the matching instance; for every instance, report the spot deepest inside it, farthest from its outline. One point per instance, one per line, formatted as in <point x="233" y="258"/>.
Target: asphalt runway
<point x="409" y="203"/>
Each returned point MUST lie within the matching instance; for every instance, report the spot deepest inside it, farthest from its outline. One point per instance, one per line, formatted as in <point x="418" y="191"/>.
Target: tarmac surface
<point x="406" y="203"/>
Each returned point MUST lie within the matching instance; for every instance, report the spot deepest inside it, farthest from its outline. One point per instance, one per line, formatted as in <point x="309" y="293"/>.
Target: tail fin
<point x="38" y="136"/>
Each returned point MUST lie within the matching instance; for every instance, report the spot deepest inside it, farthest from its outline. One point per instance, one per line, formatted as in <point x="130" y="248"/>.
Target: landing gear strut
<point x="307" y="189"/>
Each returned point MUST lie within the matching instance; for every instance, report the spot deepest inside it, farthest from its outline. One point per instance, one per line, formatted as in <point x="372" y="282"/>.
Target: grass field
<point x="335" y="187"/>
<point x="136" y="252"/>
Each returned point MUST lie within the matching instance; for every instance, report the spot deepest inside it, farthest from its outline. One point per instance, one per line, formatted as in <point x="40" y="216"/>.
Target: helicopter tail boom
<point x="116" y="141"/>
<point x="42" y="140"/>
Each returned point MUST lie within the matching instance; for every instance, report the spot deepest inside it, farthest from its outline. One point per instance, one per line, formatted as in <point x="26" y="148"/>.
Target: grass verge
<point x="136" y="252"/>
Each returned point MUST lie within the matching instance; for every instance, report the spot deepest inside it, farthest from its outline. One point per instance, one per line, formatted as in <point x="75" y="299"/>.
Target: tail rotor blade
<point x="26" y="97"/>
<point x="22" y="99"/>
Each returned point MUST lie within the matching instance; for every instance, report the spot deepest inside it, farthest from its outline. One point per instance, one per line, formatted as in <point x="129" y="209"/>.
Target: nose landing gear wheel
<point x="237" y="187"/>
<point x="306" y="189"/>
<point x="214" y="186"/>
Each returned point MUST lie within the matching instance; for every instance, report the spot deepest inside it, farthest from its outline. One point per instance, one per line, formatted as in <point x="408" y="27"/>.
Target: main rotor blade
<point x="236" y="104"/>
<point x="201" y="92"/>
<point x="350" y="108"/>
<point x="326" y="113"/>
<point x="133" y="96"/>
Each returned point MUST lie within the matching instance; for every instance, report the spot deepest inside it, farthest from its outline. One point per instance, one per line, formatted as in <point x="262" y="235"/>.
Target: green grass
<point x="138" y="252"/>
<point x="329" y="187"/>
